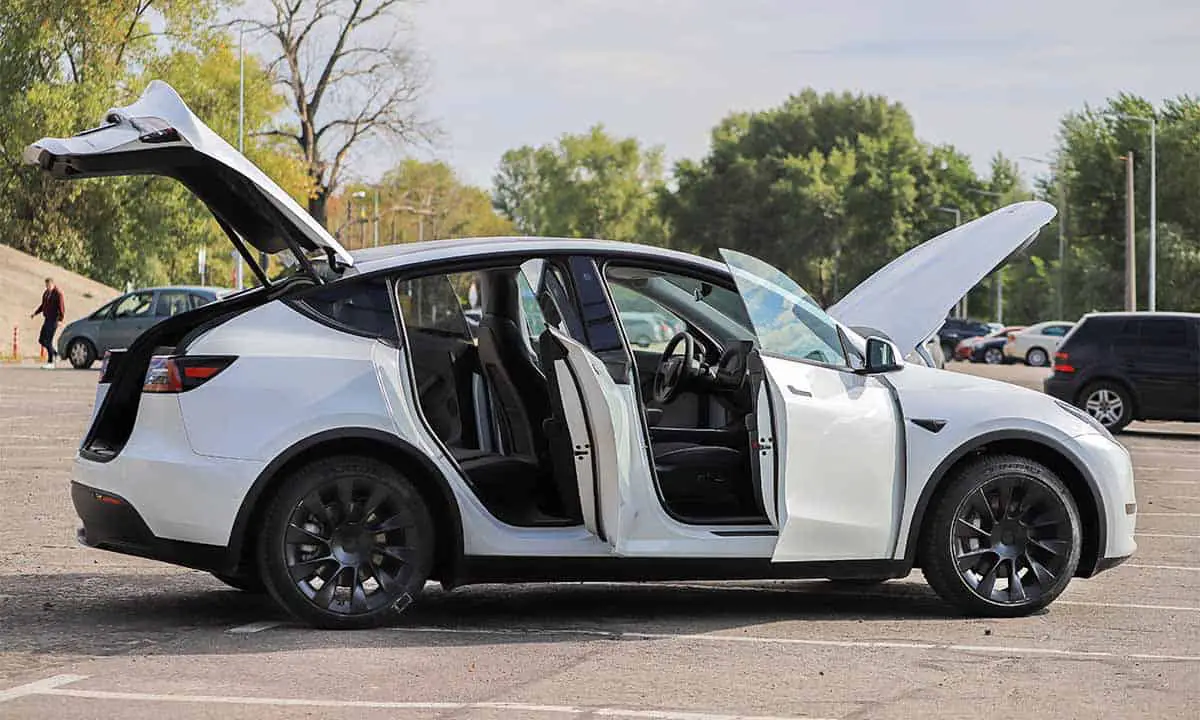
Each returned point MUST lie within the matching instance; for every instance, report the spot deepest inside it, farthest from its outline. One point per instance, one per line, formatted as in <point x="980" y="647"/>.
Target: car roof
<point x="207" y="289"/>
<point x="397" y="256"/>
<point x="1143" y="313"/>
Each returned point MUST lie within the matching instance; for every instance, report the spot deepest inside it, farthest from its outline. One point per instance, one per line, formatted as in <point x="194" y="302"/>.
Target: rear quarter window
<point x="1095" y="331"/>
<point x="361" y="307"/>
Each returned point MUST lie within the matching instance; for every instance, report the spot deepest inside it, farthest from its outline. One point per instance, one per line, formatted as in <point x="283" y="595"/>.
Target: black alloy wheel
<point x="1005" y="538"/>
<point x="348" y="543"/>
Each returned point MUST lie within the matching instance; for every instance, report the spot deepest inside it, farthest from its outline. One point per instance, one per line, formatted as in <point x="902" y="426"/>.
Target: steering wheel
<point x="675" y="371"/>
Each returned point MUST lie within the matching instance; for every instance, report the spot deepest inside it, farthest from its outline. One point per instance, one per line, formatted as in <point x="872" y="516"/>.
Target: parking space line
<point x="1129" y="606"/>
<point x="1167" y="514"/>
<point x="254" y="627"/>
<point x="1189" y="568"/>
<point x="39" y="687"/>
<point x="1007" y="650"/>
<point x="1168" y="535"/>
<point x="52" y="686"/>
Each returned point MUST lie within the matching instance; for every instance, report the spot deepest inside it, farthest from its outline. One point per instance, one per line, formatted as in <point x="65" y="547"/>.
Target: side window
<point x="104" y="312"/>
<point x="1164" y="332"/>
<point x="647" y="324"/>
<point x="199" y="300"/>
<point x="171" y="302"/>
<point x="134" y="305"/>
<point x="1056" y="330"/>
<point x="360" y="306"/>
<point x="431" y="304"/>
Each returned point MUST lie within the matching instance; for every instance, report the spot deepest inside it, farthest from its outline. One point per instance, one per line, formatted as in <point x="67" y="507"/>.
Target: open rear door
<point x="587" y="433"/>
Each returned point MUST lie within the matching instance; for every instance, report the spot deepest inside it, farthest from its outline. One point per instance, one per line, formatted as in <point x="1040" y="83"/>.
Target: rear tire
<point x="1108" y="402"/>
<point x="993" y="356"/>
<point x="348" y="543"/>
<point x="1003" y="538"/>
<point x="81" y="353"/>
<point x="1037" y="357"/>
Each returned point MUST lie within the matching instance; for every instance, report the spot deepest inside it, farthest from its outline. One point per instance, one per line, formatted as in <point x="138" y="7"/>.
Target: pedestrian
<point x="52" y="310"/>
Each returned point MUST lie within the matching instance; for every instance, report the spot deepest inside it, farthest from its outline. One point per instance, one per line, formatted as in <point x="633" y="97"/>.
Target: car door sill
<point x="476" y="569"/>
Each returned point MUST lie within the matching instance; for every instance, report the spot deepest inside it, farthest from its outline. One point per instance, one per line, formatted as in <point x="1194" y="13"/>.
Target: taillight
<point x="1060" y="363"/>
<point x="1012" y="337"/>
<point x="168" y="374"/>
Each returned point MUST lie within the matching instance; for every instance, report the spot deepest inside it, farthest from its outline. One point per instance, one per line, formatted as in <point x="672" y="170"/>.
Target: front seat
<point x="702" y="480"/>
<point x="520" y="389"/>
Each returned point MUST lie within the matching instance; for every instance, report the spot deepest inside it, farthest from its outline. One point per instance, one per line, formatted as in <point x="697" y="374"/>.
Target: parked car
<point x="987" y="348"/>
<point x="1035" y="345"/>
<point x="955" y="330"/>
<point x="369" y="453"/>
<point x="1121" y="367"/>
<point x="929" y="353"/>
<point x="646" y="328"/>
<point x="118" y="323"/>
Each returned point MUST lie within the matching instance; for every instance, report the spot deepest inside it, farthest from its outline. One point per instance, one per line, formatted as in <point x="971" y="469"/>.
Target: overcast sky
<point x="985" y="77"/>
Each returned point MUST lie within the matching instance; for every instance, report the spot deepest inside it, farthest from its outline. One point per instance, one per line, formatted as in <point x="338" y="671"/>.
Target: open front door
<point x="587" y="433"/>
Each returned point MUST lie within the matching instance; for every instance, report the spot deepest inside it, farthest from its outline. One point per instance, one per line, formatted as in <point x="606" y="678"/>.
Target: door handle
<point x="797" y="391"/>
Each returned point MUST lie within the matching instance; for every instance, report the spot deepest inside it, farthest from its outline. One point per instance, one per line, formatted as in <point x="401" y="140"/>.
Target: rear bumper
<point x="111" y="523"/>
<point x="1062" y="388"/>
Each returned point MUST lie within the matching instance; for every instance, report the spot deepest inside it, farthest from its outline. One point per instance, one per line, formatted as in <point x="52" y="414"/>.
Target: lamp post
<point x="1151" y="280"/>
<point x="961" y="309"/>
<point x="1061" y="181"/>
<point x="362" y="235"/>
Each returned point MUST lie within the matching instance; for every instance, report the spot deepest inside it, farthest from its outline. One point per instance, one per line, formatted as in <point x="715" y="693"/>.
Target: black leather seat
<point x="702" y="480"/>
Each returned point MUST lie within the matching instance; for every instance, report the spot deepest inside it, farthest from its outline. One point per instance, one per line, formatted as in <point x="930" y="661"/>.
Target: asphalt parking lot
<point x="85" y="633"/>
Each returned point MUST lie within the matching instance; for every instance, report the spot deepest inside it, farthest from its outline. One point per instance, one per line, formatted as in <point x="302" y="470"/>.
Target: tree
<point x="827" y="187"/>
<point x="417" y="201"/>
<point x="349" y="80"/>
<point x="1091" y="143"/>
<point x="589" y="185"/>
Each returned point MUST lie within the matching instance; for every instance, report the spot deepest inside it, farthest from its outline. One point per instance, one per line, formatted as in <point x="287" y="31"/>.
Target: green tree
<point x="827" y="187"/>
<point x="589" y="185"/>
<point x="417" y="201"/>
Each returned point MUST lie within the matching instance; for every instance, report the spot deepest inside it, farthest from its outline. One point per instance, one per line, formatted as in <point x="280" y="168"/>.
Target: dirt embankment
<point x="22" y="280"/>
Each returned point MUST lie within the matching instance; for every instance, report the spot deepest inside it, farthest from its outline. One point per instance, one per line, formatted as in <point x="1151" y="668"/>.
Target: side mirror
<point x="881" y="357"/>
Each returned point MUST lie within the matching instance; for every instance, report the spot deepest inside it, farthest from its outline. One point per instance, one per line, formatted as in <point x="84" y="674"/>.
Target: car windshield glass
<point x="786" y="320"/>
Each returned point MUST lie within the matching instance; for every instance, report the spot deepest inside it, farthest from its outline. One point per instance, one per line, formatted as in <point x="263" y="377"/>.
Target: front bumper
<point x="111" y="523"/>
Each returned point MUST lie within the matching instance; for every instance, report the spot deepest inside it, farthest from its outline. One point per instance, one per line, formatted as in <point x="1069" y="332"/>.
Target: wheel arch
<point x="388" y="448"/>
<point x="1041" y="448"/>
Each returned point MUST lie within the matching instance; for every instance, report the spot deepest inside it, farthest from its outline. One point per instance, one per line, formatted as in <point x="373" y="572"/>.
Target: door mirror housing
<point x="882" y="357"/>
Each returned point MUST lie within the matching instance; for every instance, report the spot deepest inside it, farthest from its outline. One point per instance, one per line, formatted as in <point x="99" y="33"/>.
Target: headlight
<point x="1096" y="424"/>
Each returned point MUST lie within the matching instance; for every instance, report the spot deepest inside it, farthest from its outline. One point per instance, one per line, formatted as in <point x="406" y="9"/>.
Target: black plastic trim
<point x="936" y="481"/>
<point x="930" y="424"/>
<point x="119" y="528"/>
<point x="241" y="530"/>
<point x="1108" y="564"/>
<point x="489" y="569"/>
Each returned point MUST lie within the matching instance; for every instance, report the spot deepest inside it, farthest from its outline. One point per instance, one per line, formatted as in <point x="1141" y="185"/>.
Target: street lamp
<point x="1151" y="279"/>
<point x="1061" y="181"/>
<point x="961" y="309"/>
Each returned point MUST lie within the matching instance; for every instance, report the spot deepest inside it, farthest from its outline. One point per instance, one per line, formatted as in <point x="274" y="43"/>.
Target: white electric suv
<point x="341" y="434"/>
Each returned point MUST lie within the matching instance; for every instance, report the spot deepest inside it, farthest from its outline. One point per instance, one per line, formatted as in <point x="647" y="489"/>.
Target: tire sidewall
<point x="993" y="353"/>
<point x="1035" y="353"/>
<point x="88" y="347"/>
<point x="1126" y="402"/>
<point x="937" y="545"/>
<point x="270" y="550"/>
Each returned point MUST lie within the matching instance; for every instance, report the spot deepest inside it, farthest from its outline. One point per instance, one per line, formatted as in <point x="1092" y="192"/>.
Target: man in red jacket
<point x="52" y="310"/>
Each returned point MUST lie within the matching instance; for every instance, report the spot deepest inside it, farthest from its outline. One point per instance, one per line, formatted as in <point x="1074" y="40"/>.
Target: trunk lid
<point x="159" y="135"/>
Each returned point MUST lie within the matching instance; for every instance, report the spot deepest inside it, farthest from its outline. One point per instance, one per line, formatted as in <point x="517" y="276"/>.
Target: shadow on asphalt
<point x="1151" y="434"/>
<point x="190" y="614"/>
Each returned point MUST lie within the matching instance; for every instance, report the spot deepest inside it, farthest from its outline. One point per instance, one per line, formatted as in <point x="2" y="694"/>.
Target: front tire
<point x="81" y="353"/>
<point x="348" y="543"/>
<point x="1037" y="357"/>
<point x="1109" y="403"/>
<point x="1003" y="539"/>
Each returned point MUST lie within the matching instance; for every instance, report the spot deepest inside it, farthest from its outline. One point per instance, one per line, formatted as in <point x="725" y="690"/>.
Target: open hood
<point x="159" y="135"/>
<point x="909" y="298"/>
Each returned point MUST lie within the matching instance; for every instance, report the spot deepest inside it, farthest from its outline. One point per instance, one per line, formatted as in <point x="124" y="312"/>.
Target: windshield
<point x="786" y="320"/>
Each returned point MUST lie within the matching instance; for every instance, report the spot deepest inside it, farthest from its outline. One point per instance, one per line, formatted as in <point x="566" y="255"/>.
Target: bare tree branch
<point x="350" y="79"/>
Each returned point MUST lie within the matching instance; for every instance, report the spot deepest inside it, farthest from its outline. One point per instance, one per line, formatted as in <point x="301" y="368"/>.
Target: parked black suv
<point x="1121" y="367"/>
<point x="956" y="329"/>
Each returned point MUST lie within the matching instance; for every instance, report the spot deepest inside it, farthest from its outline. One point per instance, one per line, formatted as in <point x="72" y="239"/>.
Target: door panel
<point x="133" y="314"/>
<point x="599" y="433"/>
<point x="1164" y="368"/>
<point x="838" y="438"/>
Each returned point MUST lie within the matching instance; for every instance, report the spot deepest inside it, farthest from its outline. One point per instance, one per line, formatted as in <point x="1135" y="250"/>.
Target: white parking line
<point x="858" y="644"/>
<point x="1130" y="606"/>
<point x="254" y="627"/>
<point x="1167" y="514"/>
<point x="52" y="686"/>
<point x="1168" y="535"/>
<point x="1189" y="568"/>
<point x="39" y="687"/>
<point x="1171" y="482"/>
